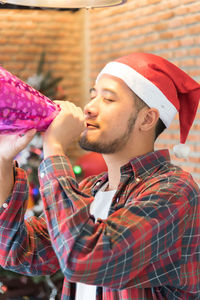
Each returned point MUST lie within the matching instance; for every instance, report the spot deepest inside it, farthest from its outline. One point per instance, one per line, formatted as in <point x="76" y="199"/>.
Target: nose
<point x="91" y="108"/>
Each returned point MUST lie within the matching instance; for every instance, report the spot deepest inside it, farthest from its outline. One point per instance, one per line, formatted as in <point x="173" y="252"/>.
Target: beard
<point x="112" y="146"/>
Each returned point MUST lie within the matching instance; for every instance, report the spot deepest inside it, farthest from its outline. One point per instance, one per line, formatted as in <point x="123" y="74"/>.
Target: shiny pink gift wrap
<point x="22" y="107"/>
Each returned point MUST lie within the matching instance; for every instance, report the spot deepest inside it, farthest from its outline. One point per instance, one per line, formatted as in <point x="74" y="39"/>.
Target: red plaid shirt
<point x="148" y="247"/>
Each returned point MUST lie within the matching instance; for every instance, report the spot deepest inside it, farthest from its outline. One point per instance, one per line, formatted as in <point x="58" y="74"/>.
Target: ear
<point x="148" y="119"/>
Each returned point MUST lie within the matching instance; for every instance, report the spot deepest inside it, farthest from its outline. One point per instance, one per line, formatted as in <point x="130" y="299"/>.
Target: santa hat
<point x="162" y="85"/>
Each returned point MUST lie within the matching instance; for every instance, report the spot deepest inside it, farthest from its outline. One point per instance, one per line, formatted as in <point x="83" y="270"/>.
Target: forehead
<point x="115" y="85"/>
<point x="110" y="81"/>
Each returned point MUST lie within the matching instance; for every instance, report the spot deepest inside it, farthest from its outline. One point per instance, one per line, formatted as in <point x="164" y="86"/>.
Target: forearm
<point x="25" y="245"/>
<point x="6" y="180"/>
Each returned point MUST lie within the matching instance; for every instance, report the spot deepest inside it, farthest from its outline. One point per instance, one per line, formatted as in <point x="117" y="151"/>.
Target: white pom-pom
<point x="181" y="150"/>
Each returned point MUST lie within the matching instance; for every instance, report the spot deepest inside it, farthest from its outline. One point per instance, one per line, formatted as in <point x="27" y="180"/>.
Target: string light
<point x="77" y="170"/>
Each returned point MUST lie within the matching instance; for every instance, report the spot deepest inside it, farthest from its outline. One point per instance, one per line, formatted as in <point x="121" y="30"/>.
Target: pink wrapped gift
<point x="22" y="107"/>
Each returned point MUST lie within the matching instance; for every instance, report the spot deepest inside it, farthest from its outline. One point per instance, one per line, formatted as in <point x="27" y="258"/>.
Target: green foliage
<point x="48" y="83"/>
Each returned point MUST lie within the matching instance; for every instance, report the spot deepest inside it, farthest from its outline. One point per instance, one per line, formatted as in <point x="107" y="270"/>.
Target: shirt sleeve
<point x="123" y="250"/>
<point x="25" y="246"/>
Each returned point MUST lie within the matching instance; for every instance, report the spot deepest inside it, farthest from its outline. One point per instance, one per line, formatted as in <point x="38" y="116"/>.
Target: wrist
<point x="6" y="179"/>
<point x="6" y="163"/>
<point x="53" y="150"/>
<point x="6" y="169"/>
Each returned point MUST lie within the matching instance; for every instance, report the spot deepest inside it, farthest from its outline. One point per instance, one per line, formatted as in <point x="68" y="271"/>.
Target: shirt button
<point x="137" y="179"/>
<point x="98" y="183"/>
<point x="5" y="205"/>
<point x="42" y="175"/>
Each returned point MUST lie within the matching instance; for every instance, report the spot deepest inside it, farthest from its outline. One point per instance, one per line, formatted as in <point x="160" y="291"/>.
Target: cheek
<point x="122" y="119"/>
<point x="117" y="116"/>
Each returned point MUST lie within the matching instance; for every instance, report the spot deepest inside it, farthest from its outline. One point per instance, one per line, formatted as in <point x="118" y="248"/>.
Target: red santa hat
<point x="162" y="85"/>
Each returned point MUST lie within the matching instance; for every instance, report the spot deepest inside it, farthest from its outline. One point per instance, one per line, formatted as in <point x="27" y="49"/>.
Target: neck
<point x="116" y="160"/>
<point x="114" y="166"/>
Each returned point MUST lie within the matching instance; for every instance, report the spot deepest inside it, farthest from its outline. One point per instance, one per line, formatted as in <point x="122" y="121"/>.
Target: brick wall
<point x="25" y="34"/>
<point x="170" y="28"/>
<point x="77" y="46"/>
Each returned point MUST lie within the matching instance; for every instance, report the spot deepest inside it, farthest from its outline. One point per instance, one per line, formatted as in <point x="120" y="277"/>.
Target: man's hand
<point x="64" y="129"/>
<point x="11" y="145"/>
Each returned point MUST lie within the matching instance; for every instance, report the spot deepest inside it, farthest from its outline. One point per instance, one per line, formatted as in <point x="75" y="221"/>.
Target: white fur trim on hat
<point x="143" y="88"/>
<point x="181" y="150"/>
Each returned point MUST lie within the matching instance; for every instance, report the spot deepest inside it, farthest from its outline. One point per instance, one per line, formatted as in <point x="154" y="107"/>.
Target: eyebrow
<point x="92" y="90"/>
<point x="104" y="90"/>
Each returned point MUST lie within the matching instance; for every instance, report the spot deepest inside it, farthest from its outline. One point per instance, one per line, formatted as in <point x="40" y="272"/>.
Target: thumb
<point x="25" y="139"/>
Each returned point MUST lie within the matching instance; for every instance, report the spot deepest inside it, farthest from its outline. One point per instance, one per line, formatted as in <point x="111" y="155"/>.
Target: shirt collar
<point x="147" y="164"/>
<point x="140" y="167"/>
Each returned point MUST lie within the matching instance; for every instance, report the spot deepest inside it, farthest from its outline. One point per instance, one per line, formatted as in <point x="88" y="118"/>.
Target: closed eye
<point x="93" y="93"/>
<point x="106" y="94"/>
<point x="109" y="100"/>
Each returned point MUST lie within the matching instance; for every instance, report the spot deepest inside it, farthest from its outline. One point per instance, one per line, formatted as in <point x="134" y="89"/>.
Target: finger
<point x="66" y="107"/>
<point x="25" y="139"/>
<point x="70" y="107"/>
<point x="59" y="101"/>
<point x="78" y="112"/>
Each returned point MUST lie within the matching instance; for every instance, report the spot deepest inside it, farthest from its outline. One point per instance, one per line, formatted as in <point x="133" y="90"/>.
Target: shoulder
<point x="173" y="183"/>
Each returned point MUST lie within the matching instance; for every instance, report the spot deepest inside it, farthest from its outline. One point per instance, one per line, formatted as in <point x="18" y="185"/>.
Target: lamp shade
<point x="65" y="3"/>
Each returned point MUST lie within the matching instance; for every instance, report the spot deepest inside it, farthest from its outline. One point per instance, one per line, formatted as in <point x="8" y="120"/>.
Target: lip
<point x="91" y="125"/>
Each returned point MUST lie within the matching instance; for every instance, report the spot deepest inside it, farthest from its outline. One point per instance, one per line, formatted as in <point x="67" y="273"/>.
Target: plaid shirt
<point x="148" y="247"/>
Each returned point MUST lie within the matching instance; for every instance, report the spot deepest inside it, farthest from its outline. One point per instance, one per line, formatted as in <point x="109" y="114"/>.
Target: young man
<point x="132" y="233"/>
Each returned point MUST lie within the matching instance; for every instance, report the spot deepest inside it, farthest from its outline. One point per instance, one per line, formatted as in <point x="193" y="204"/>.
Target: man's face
<point x="110" y="116"/>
